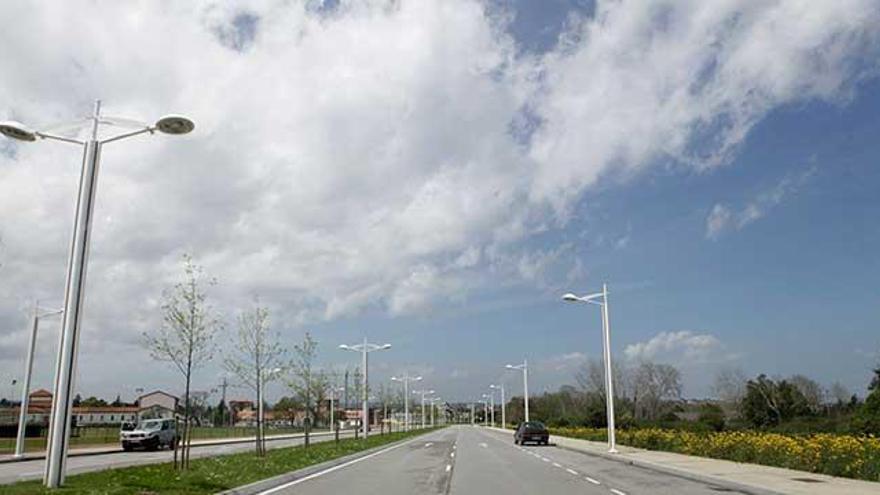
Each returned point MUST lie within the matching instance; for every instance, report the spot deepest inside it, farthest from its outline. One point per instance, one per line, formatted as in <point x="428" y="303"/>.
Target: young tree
<point x="308" y="385"/>
<point x="256" y="355"/>
<point x="186" y="337"/>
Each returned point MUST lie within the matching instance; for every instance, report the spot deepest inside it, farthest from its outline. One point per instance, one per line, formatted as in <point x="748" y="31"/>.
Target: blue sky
<point x="437" y="175"/>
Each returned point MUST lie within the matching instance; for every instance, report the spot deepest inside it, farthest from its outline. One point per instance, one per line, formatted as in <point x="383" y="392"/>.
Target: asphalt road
<point x="25" y="470"/>
<point x="466" y="460"/>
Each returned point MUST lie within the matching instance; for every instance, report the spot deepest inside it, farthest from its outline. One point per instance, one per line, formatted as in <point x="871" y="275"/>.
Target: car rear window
<point x="535" y="426"/>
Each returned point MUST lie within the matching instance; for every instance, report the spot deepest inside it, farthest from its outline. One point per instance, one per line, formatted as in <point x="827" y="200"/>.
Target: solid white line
<point x="334" y="468"/>
<point x="448" y="467"/>
<point x="617" y="492"/>
<point x="572" y="471"/>
<point x="591" y="480"/>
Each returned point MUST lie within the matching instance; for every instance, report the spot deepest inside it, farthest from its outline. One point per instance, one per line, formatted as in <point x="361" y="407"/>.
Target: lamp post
<point x="601" y="299"/>
<point x="333" y="391"/>
<point x="74" y="292"/>
<point x="503" y="413"/>
<point x="485" y="411"/>
<point x="28" y="370"/>
<point x="405" y="378"/>
<point x="263" y="376"/>
<point x="365" y="348"/>
<point x="423" y="394"/>
<point x="525" y="369"/>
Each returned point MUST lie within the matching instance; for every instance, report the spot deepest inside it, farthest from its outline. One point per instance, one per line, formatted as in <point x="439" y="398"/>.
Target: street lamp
<point x="333" y="391"/>
<point x="525" y="369"/>
<point x="28" y="370"/>
<point x="485" y="410"/>
<point x="74" y="291"/>
<point x="492" y="401"/>
<point x="601" y="299"/>
<point x="503" y="413"/>
<point x="423" y="394"/>
<point x="365" y="348"/>
<point x="405" y="378"/>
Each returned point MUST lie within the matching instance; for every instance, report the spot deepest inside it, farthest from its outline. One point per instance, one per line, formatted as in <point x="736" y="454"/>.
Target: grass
<point x="206" y="475"/>
<point x="98" y="436"/>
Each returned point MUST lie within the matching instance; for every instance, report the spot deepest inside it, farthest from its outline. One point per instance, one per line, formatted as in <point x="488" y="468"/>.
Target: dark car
<point x="532" y="431"/>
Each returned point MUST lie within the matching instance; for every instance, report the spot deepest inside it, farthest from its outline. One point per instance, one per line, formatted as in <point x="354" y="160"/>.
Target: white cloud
<point x="721" y="218"/>
<point x="362" y="158"/>
<point x="682" y="347"/>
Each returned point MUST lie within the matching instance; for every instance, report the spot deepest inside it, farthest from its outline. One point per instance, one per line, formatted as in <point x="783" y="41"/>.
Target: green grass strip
<point x="206" y="475"/>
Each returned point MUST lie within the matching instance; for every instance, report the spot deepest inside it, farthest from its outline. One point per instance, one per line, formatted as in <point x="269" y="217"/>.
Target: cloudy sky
<point x="435" y="174"/>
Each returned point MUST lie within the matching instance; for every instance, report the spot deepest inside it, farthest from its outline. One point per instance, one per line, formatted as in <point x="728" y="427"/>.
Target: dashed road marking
<point x="571" y="471"/>
<point x="556" y="464"/>
<point x="484" y="445"/>
<point x="545" y="459"/>
<point x="448" y="467"/>
<point x="617" y="492"/>
<point x="429" y="444"/>
<point x="452" y="454"/>
<point x="591" y="480"/>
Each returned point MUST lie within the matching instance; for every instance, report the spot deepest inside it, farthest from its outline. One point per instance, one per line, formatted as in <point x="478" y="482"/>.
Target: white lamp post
<point x="405" y="378"/>
<point x="525" y="370"/>
<point x="433" y="402"/>
<point x="74" y="292"/>
<point x="503" y="413"/>
<point x="365" y="348"/>
<point x="28" y="370"/>
<point x="264" y="376"/>
<point x="423" y="394"/>
<point x="601" y="299"/>
<point x="333" y="391"/>
<point x="485" y="411"/>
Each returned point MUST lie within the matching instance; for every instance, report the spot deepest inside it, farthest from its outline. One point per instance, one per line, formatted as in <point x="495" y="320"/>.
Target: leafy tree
<point x="186" y="337"/>
<point x="769" y="403"/>
<point x="286" y="407"/>
<point x="867" y="416"/>
<point x="309" y="386"/>
<point x="93" y="402"/>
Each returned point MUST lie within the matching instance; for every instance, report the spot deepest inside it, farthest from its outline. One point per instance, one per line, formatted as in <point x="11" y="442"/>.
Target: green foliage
<point x="867" y="417"/>
<point x="93" y="402"/>
<point x="769" y="403"/>
<point x="712" y="416"/>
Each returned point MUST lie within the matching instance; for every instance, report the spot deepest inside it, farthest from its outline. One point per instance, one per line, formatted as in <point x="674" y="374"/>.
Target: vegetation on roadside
<point x="837" y="455"/>
<point x="206" y="475"/>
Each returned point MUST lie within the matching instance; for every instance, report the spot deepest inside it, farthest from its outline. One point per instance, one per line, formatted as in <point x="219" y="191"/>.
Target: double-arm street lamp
<point x="365" y="348"/>
<point x="433" y="401"/>
<point x="503" y="412"/>
<point x="485" y="410"/>
<point x="74" y="292"/>
<point x="601" y="299"/>
<point x="490" y="397"/>
<point x="28" y="370"/>
<point x="405" y="378"/>
<point x="423" y="393"/>
<point x="524" y="367"/>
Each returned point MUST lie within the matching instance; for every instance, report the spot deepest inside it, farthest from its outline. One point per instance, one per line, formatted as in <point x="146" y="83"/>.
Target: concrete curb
<point x="681" y="473"/>
<point x="269" y="483"/>
<point x="199" y="443"/>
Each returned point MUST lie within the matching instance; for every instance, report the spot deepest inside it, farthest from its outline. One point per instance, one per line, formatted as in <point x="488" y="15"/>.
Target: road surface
<point x="466" y="460"/>
<point x="25" y="470"/>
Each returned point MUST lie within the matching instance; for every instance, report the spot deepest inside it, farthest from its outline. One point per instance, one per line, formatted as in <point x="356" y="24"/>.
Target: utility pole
<point x="223" y="386"/>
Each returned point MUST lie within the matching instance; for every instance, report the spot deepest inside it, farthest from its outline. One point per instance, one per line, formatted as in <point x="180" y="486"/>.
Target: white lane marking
<point x="334" y="468"/>
<point x="429" y="444"/>
<point x="572" y="471"/>
<point x="545" y="459"/>
<point x="617" y="492"/>
<point x="448" y="467"/>
<point x="484" y="445"/>
<point x="556" y="464"/>
<point x="452" y="454"/>
<point x="34" y="473"/>
<point x="591" y="480"/>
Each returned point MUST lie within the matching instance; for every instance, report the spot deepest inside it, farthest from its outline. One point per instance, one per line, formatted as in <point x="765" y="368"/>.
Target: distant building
<point x="157" y="404"/>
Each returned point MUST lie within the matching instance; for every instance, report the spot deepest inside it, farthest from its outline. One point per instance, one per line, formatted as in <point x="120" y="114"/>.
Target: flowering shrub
<point x="837" y="455"/>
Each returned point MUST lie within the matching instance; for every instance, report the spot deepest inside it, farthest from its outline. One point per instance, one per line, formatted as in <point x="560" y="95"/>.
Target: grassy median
<point x="206" y="475"/>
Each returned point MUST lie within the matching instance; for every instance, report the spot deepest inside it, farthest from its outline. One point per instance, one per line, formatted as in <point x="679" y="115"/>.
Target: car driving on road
<point x="150" y="434"/>
<point x="531" y="431"/>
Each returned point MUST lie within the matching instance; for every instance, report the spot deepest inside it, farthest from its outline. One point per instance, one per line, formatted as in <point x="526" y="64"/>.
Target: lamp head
<point x="17" y="130"/>
<point x="570" y="297"/>
<point x="386" y="346"/>
<point x="343" y="346"/>
<point x="175" y="124"/>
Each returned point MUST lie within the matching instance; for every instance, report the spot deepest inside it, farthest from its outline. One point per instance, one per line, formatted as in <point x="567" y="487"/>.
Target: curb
<point x="681" y="473"/>
<point x="269" y="483"/>
<point x="202" y="443"/>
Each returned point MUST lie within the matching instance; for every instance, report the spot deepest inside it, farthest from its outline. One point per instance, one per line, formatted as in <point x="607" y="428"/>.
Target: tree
<point x="653" y="385"/>
<point x="186" y="337"/>
<point x="811" y="392"/>
<point x="255" y="356"/>
<point x="308" y="385"/>
<point x="730" y="385"/>
<point x="867" y="417"/>
<point x="769" y="403"/>
<point x="286" y="408"/>
<point x="93" y="402"/>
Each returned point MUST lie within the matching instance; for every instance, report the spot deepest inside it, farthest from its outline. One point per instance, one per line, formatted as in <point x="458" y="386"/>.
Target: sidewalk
<point x="113" y="448"/>
<point x="753" y="478"/>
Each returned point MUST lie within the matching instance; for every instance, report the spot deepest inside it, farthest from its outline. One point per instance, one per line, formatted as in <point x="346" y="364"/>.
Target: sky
<point x="436" y="174"/>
